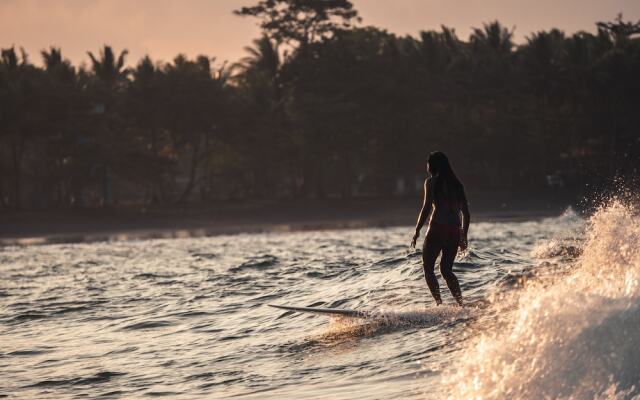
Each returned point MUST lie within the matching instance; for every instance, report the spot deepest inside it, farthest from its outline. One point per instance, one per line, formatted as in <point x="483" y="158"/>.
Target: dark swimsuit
<point x="446" y="234"/>
<point x="446" y="217"/>
<point x="443" y="236"/>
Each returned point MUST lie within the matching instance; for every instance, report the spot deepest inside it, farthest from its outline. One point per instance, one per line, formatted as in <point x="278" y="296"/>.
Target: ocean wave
<point x="167" y="315"/>
<point x="571" y="337"/>
<point x="99" y="377"/>
<point x="147" y="325"/>
<point x="30" y="352"/>
<point x="387" y="320"/>
<point x="557" y="248"/>
<point x="258" y="263"/>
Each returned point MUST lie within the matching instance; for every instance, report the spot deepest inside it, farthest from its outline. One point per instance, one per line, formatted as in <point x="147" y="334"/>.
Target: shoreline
<point x="186" y="232"/>
<point x="85" y="226"/>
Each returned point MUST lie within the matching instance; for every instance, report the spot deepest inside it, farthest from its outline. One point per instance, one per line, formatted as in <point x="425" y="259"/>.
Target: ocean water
<point x="555" y="314"/>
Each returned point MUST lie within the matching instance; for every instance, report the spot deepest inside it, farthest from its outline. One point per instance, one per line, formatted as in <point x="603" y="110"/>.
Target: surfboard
<point x="325" y="311"/>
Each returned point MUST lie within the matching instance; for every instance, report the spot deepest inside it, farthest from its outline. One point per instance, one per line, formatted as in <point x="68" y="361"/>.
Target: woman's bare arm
<point x="424" y="212"/>
<point x="466" y="220"/>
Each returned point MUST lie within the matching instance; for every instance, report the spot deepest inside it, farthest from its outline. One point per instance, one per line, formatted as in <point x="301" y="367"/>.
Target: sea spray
<point x="574" y="337"/>
<point x="389" y="320"/>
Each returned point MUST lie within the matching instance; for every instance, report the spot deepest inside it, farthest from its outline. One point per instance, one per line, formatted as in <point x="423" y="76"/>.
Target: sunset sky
<point x="164" y="28"/>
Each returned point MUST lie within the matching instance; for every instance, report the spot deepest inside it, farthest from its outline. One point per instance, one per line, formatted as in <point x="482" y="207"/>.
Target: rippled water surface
<point x="188" y="318"/>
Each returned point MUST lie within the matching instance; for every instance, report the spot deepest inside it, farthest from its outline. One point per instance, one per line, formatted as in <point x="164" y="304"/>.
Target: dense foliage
<point x="320" y="107"/>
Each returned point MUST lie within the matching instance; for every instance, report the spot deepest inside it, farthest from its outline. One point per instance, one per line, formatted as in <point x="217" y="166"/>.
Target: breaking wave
<point x="569" y="336"/>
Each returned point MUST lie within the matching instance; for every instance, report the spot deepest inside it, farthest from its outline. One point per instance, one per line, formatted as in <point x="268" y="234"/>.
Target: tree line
<point x="321" y="106"/>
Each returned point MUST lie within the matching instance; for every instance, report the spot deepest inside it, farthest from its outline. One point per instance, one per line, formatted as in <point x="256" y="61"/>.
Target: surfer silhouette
<point x="446" y="202"/>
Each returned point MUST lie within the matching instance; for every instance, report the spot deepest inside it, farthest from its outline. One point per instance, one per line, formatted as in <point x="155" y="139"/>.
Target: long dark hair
<point x="447" y="186"/>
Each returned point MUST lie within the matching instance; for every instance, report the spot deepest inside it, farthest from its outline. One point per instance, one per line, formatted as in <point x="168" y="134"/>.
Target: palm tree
<point x="54" y="64"/>
<point x="107" y="68"/>
<point x="493" y="38"/>
<point x="144" y="110"/>
<point x="9" y="67"/>
<point x="17" y="121"/>
<point x="615" y="71"/>
<point x="9" y="59"/>
<point x="53" y="58"/>
<point x="109" y="79"/>
<point x="192" y="108"/>
<point x="263" y="56"/>
<point x="145" y="70"/>
<point x="260" y="83"/>
<point x="545" y="50"/>
<point x="61" y="165"/>
<point x="439" y="50"/>
<point x="543" y="59"/>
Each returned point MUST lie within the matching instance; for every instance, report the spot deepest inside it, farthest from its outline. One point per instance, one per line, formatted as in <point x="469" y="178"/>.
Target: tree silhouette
<point x="260" y="89"/>
<point x="302" y="21"/>
<point x="320" y="108"/>
<point x="492" y="38"/>
<point x="107" y="68"/>
<point x="21" y="111"/>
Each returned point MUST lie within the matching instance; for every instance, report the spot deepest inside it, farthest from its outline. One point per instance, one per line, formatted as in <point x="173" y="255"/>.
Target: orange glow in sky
<point x="164" y="28"/>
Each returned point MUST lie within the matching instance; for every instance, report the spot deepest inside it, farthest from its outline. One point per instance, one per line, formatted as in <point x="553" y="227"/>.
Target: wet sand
<point x="126" y="223"/>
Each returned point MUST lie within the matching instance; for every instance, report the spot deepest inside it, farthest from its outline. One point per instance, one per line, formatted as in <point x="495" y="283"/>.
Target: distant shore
<point x="135" y="223"/>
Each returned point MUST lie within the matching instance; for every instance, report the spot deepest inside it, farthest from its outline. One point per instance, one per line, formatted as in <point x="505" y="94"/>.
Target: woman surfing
<point x="444" y="195"/>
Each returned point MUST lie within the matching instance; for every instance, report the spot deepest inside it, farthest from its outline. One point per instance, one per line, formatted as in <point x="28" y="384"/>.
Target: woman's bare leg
<point x="446" y="269"/>
<point x="429" y="254"/>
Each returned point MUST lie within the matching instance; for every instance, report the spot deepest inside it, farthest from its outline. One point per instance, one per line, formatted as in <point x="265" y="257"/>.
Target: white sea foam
<point x="389" y="319"/>
<point x="573" y="337"/>
<point x="556" y="247"/>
